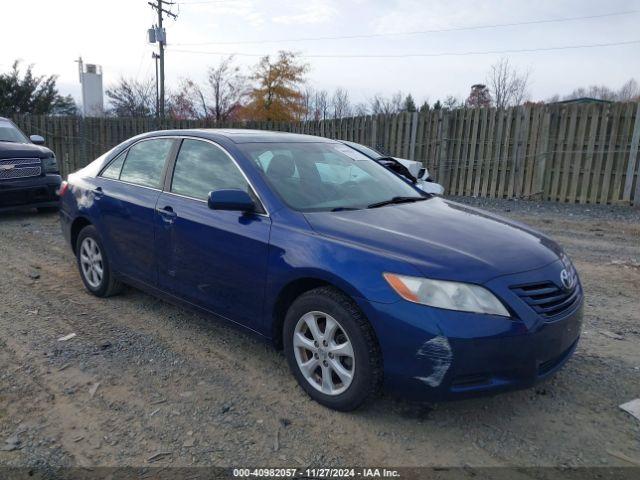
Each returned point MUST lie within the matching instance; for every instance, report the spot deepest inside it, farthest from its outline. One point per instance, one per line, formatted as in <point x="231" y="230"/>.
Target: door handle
<point x="167" y="213"/>
<point x="97" y="192"/>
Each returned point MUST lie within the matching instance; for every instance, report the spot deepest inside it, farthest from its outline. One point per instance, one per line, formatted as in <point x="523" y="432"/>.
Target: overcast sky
<point x="112" y="33"/>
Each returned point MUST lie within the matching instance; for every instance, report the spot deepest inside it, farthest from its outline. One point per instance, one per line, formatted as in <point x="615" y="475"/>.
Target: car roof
<point x="239" y="135"/>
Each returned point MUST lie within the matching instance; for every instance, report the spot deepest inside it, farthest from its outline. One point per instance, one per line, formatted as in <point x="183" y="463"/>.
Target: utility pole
<point x="160" y="37"/>
<point x="156" y="57"/>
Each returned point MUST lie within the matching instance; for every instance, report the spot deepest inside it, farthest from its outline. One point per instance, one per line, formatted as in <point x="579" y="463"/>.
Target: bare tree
<point x="321" y="105"/>
<point x="508" y="85"/>
<point x="629" y="92"/>
<point x="132" y="98"/>
<point x="450" y="103"/>
<point x="340" y="103"/>
<point x="308" y="103"/>
<point x="189" y="102"/>
<point x="379" y="104"/>
<point x="361" y="109"/>
<point x="219" y="99"/>
<point x="228" y="88"/>
<point x="601" y="92"/>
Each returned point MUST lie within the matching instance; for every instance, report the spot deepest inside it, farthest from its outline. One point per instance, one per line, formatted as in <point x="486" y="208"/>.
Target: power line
<point x="435" y="54"/>
<point x="417" y="32"/>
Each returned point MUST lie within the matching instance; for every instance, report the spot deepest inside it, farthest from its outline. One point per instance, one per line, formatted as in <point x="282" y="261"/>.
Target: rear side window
<point x="202" y="167"/>
<point x="145" y="162"/>
<point x="113" y="170"/>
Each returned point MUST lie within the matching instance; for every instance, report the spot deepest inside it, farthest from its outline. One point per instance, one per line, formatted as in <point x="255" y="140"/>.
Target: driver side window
<point x="202" y="167"/>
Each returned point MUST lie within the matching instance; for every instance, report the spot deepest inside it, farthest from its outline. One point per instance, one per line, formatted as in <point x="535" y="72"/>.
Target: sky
<point x="112" y="33"/>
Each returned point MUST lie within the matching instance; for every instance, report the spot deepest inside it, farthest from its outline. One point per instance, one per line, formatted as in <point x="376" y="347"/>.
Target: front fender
<point x="297" y="252"/>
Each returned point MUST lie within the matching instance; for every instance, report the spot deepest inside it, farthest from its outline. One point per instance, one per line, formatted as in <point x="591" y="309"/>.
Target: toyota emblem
<point x="566" y="279"/>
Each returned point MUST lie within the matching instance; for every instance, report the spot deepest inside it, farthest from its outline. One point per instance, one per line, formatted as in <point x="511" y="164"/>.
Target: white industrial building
<point x="92" y="94"/>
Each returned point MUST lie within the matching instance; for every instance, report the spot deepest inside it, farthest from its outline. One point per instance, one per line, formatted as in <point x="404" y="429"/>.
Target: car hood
<point x="26" y="150"/>
<point x="442" y="239"/>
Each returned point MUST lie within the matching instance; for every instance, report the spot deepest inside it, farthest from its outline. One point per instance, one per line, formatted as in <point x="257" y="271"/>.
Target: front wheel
<point x="332" y="350"/>
<point x="93" y="264"/>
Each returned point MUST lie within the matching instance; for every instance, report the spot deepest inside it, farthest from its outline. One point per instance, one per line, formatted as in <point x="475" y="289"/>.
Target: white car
<point x="410" y="169"/>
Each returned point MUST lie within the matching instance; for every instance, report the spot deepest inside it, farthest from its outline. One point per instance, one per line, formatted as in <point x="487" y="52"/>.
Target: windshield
<point x="10" y="133"/>
<point x="325" y="176"/>
<point x="369" y="152"/>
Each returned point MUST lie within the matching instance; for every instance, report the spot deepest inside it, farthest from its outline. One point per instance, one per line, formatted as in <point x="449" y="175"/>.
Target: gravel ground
<point x="144" y="382"/>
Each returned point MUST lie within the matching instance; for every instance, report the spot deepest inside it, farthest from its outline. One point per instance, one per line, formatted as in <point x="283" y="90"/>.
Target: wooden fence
<point x="562" y="153"/>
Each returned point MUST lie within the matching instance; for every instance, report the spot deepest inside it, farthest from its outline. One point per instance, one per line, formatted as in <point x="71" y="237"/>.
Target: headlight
<point x="464" y="297"/>
<point x="50" y="165"/>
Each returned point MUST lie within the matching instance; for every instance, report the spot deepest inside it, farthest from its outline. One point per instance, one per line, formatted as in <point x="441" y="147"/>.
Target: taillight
<point x="63" y="188"/>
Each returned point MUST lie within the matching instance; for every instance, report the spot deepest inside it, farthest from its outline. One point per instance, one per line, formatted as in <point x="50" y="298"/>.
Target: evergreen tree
<point x="28" y="93"/>
<point x="409" y="105"/>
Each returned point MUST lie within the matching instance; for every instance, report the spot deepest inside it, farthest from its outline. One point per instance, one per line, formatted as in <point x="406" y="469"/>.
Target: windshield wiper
<point x="396" y="200"/>
<point x="343" y="209"/>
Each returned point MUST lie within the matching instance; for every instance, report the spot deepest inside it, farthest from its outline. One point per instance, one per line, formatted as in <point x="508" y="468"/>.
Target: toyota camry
<point x="364" y="281"/>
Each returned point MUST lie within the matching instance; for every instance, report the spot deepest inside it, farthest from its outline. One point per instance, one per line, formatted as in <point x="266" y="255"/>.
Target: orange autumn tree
<point x="278" y="94"/>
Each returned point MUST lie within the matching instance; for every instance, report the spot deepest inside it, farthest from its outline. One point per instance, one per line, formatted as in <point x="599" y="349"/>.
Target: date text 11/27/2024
<point x="316" y="472"/>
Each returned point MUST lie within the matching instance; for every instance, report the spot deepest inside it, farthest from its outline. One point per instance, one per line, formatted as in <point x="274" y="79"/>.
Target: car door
<point x="126" y="194"/>
<point x="215" y="259"/>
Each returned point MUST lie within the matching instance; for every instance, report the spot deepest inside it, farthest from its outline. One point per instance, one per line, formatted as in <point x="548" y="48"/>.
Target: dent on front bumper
<point x="436" y="354"/>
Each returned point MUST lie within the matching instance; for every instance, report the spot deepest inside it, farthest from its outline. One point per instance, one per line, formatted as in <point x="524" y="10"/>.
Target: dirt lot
<point x="202" y="393"/>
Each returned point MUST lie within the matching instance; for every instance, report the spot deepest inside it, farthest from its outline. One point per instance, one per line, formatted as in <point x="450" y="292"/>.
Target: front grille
<point x="20" y="168"/>
<point x="547" y="299"/>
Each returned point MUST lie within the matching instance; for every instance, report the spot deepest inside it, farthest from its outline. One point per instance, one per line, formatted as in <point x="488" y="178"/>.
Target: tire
<point x="107" y="284"/>
<point x="47" y="209"/>
<point x="323" y="306"/>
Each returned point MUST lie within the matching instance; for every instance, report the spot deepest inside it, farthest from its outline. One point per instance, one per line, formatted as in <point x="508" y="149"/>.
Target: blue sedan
<point x="364" y="281"/>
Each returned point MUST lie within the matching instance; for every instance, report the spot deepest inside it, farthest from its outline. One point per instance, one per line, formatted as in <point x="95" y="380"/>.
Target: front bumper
<point x="436" y="354"/>
<point x="30" y="192"/>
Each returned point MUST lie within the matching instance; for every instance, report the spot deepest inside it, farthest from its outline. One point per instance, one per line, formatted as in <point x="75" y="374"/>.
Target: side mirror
<point x="236" y="200"/>
<point x="37" y="139"/>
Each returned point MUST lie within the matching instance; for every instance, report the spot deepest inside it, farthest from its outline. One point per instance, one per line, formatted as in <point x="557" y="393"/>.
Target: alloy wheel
<point x="324" y="353"/>
<point x="91" y="262"/>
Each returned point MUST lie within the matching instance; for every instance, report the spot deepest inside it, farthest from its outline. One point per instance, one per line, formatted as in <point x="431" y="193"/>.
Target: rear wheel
<point x="332" y="350"/>
<point x="94" y="265"/>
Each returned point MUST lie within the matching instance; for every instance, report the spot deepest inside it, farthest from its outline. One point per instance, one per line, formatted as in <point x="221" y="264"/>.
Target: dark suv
<point x="29" y="174"/>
